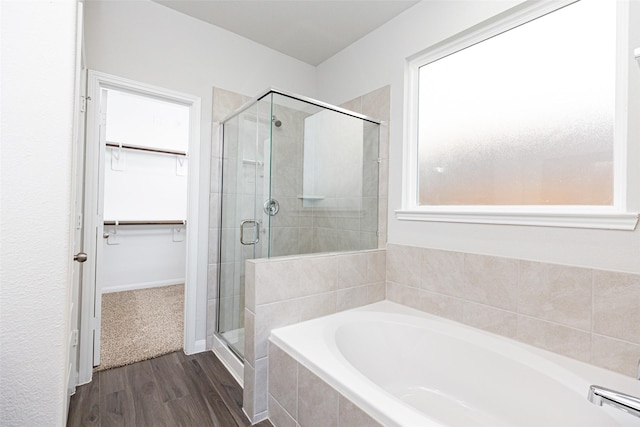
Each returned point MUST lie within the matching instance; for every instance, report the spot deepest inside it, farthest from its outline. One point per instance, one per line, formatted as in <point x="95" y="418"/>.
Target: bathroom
<point x="591" y="289"/>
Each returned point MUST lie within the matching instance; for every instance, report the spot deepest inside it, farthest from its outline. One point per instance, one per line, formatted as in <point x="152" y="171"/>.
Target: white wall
<point x="143" y="186"/>
<point x="150" y="43"/>
<point x="143" y="257"/>
<point x="379" y="59"/>
<point x="38" y="62"/>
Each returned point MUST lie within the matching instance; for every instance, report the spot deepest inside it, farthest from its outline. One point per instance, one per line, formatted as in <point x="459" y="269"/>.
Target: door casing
<point x="93" y="219"/>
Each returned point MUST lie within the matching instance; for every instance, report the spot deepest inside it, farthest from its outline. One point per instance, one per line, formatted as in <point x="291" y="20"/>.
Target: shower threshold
<point x="228" y="355"/>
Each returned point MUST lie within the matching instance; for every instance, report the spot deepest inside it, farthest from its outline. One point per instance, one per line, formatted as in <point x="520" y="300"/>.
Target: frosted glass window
<point x="146" y="122"/>
<point x="525" y="117"/>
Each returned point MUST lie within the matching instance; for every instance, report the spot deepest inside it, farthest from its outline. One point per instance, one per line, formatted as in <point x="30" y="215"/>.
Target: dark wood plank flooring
<point x="170" y="390"/>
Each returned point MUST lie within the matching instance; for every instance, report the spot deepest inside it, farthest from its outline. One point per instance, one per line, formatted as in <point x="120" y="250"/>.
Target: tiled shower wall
<point x="376" y="104"/>
<point x="297" y="231"/>
<point x="586" y="314"/>
<point x="284" y="291"/>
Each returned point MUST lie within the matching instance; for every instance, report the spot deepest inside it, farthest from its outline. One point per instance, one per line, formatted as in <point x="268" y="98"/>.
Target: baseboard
<point x="143" y="285"/>
<point x="261" y="416"/>
<point x="199" y="346"/>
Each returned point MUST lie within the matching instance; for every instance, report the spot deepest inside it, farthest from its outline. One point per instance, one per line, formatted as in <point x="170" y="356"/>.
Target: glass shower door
<point x="245" y="143"/>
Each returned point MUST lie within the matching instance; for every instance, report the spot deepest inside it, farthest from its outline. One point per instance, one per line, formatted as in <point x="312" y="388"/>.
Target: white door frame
<point x="94" y="220"/>
<point x="77" y="207"/>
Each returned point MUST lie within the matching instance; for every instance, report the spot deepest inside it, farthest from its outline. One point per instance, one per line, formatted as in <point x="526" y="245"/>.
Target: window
<point x="517" y="119"/>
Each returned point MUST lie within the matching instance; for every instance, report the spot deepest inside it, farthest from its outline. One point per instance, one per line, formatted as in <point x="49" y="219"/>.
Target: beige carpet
<point x="140" y="324"/>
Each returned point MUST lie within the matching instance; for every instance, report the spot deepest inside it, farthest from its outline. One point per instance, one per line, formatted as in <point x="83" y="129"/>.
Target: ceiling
<point x="309" y="30"/>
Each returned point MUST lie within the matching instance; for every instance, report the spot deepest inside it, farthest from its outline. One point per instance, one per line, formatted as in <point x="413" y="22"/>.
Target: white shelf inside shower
<point x="310" y="197"/>
<point x="252" y="162"/>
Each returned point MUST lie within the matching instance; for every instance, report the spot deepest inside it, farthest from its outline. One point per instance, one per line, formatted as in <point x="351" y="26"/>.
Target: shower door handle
<point x="255" y="228"/>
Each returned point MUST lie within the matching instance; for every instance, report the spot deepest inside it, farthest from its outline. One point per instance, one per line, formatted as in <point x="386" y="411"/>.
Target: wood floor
<point x="170" y="390"/>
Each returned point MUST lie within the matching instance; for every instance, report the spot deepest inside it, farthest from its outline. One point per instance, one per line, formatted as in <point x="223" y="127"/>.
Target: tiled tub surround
<point x="288" y="290"/>
<point x="297" y="397"/>
<point x="404" y="367"/>
<point x="586" y="314"/>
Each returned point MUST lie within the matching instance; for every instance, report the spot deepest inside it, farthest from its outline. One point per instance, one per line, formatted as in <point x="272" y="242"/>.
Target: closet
<point x="141" y="257"/>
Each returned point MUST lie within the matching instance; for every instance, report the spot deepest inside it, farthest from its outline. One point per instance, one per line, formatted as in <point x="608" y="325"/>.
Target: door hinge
<point x="74" y="338"/>
<point x="83" y="103"/>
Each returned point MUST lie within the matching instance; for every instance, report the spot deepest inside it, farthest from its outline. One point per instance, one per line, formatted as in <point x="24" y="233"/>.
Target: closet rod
<point x="141" y="148"/>
<point x="169" y="222"/>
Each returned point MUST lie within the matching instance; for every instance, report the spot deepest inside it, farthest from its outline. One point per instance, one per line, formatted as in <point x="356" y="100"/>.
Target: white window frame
<point x="615" y="217"/>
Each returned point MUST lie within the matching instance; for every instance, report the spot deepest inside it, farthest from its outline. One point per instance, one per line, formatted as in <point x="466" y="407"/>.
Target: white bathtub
<point x="407" y="368"/>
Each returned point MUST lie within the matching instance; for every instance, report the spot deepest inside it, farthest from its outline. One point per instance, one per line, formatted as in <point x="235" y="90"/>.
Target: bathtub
<point x="404" y="367"/>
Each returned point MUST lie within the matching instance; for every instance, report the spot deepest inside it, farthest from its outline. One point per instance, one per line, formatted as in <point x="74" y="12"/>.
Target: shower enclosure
<point x="298" y="176"/>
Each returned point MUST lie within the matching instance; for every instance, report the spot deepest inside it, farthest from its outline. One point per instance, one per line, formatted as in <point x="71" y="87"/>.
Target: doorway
<point x="141" y="208"/>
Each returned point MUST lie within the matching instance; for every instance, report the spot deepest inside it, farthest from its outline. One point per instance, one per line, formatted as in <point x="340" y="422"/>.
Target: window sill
<point x="596" y="220"/>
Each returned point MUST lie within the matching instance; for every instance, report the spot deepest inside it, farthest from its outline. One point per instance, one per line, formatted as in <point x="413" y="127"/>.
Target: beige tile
<point x="443" y="272"/>
<point x="318" y="305"/>
<point x="317" y="401"/>
<point x="616" y="355"/>
<point x="556" y="293"/>
<point x="261" y="391"/>
<point x="215" y="181"/>
<point x="377" y="104"/>
<point x="278" y="416"/>
<point x="616" y="305"/>
<point x="277" y="280"/>
<point x="214" y="212"/>
<point x="212" y="310"/>
<point x="354" y="105"/>
<point x="556" y="338"/>
<point x="376" y="266"/>
<point x="404" y="264"/>
<point x="249" y="335"/>
<point x="283" y="379"/>
<point x="212" y="281"/>
<point x="216" y="140"/>
<point x="249" y="390"/>
<point x="490" y="319"/>
<point x="271" y="316"/>
<point x="349" y="415"/>
<point x="370" y="184"/>
<point x="402" y="294"/>
<point x="318" y="274"/>
<point x="249" y="285"/>
<point x="491" y="280"/>
<point x="368" y="240"/>
<point x="383" y="176"/>
<point x="441" y="305"/>
<point x="284" y="241"/>
<point x="376" y="292"/>
<point x="351" y="270"/>
<point x="225" y="102"/>
<point x="382" y="239"/>
<point x="351" y="298"/>
<point x="213" y="254"/>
